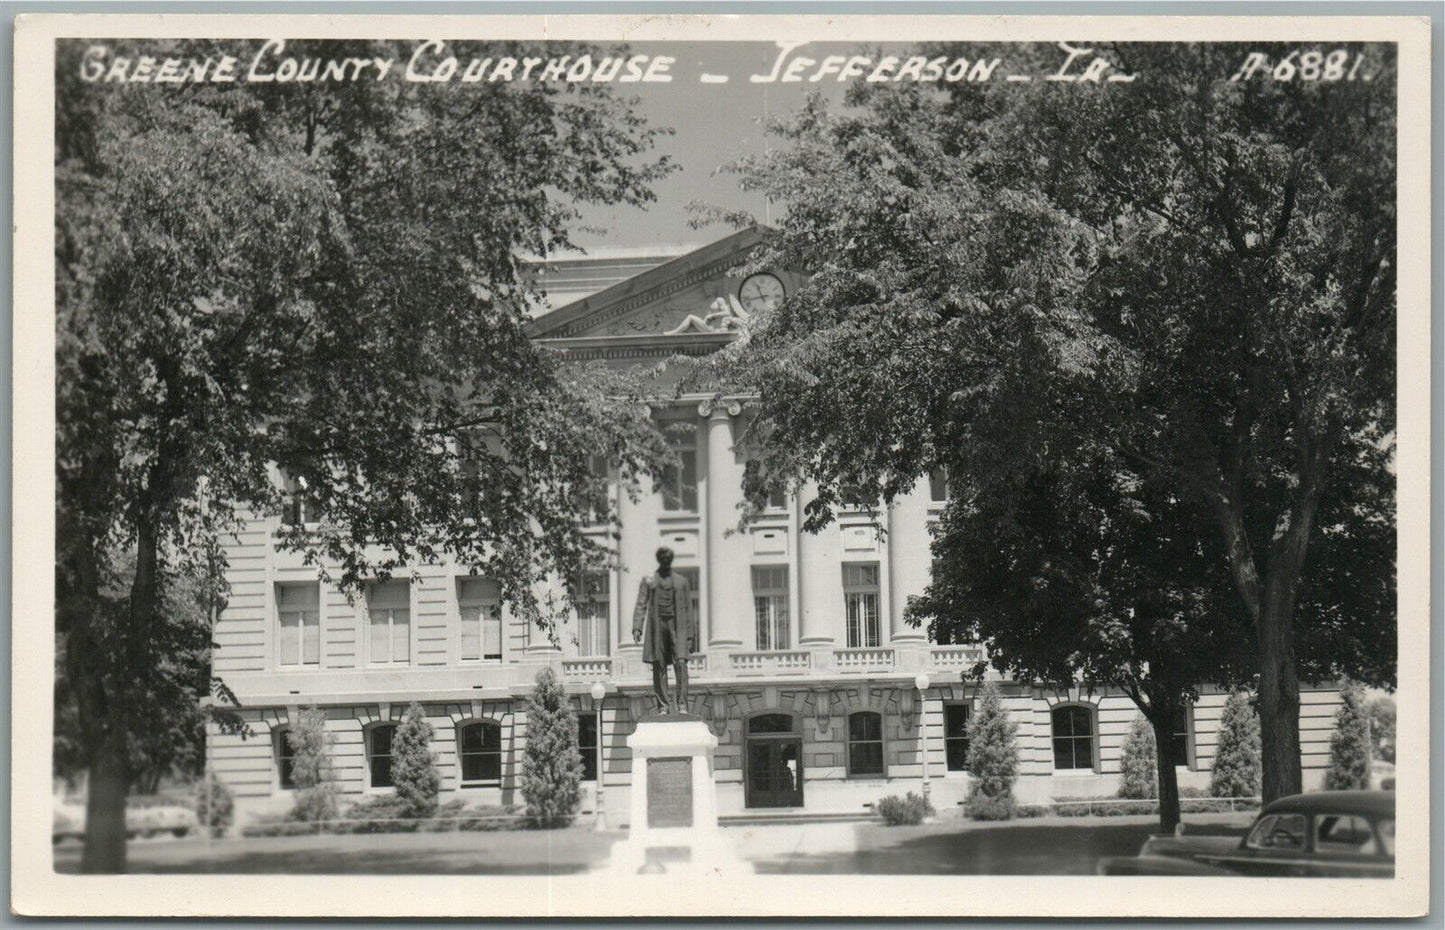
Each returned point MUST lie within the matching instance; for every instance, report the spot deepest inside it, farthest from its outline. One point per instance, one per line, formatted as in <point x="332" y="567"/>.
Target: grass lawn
<point x="1043" y="846"/>
<point x="1046" y="846"/>
<point x="521" y="852"/>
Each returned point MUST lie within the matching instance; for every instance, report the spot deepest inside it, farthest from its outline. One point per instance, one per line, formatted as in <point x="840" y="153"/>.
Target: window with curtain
<point x="479" y="611"/>
<point x="860" y="599"/>
<point x="1073" y="735"/>
<point x="770" y="606"/>
<point x="388" y="610"/>
<point x="298" y="611"/>
<point x="378" y="754"/>
<point x="479" y="748"/>
<point x="594" y="614"/>
<point x="865" y="743"/>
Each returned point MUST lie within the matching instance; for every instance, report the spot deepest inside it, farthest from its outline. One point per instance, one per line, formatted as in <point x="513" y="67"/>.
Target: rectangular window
<point x="955" y="736"/>
<point x="1181" y="741"/>
<point x="299" y="506"/>
<point x="865" y="743"/>
<point x="388" y="610"/>
<point x="480" y="750"/>
<point x="587" y="745"/>
<point x="285" y="759"/>
<point x="694" y="586"/>
<point x="938" y="485"/>
<point x="778" y="499"/>
<point x="298" y="610"/>
<point x="860" y="596"/>
<point x="770" y="606"/>
<point x="479" y="610"/>
<point x="679" y="483"/>
<point x="594" y="614"/>
<point x="378" y="754"/>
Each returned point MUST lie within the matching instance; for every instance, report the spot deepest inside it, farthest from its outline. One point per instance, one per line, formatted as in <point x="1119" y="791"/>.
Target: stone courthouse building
<point x="806" y="670"/>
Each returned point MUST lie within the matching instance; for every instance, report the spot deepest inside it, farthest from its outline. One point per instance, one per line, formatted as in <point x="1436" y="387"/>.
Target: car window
<point x="1278" y="831"/>
<point x="1387" y="835"/>
<point x="1344" y="833"/>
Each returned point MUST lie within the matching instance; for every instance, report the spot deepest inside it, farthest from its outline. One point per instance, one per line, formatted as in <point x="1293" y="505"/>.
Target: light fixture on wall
<point x="907" y="703"/>
<point x="717" y="710"/>
<point x="823" y="709"/>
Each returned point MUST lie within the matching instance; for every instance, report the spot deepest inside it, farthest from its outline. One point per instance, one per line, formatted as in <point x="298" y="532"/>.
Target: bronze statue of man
<point x="665" y="624"/>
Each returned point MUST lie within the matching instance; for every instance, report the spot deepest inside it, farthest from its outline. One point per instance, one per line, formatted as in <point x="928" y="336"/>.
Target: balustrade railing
<point x="954" y="656"/>
<point x="862" y="659"/>
<point x="592" y="669"/>
<point x="759" y="663"/>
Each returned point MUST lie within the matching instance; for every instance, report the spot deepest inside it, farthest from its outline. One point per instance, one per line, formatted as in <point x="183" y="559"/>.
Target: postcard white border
<point x="37" y="890"/>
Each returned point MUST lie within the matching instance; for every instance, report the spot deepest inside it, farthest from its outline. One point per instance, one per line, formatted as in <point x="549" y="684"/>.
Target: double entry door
<point x="774" y="771"/>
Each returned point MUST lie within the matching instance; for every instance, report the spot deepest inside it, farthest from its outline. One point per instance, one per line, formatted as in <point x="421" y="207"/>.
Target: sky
<point x="713" y="124"/>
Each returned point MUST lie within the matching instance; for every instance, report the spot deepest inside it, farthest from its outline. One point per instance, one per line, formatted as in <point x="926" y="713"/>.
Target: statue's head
<point x="664" y="558"/>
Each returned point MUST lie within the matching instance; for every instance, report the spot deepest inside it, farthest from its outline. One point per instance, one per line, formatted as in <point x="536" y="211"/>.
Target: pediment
<point x="690" y="298"/>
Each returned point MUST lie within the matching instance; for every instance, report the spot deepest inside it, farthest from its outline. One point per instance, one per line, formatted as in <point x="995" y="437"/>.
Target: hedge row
<point x="387" y="815"/>
<point x="1192" y="801"/>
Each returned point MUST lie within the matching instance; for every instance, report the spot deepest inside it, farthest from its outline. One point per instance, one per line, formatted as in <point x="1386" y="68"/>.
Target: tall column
<point x="909" y="564"/>
<point x="820" y="591"/>
<point x="635" y="550"/>
<point x="726" y="556"/>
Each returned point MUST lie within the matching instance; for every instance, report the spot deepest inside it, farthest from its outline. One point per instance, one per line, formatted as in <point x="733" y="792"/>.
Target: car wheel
<point x="180" y="832"/>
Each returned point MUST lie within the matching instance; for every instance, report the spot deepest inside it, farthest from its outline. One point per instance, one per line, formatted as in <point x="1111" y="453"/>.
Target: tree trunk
<point x="1163" y="724"/>
<point x="1278" y="698"/>
<point x="108" y="783"/>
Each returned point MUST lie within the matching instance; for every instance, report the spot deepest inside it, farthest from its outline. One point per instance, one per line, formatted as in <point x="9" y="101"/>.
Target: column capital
<point x="719" y="410"/>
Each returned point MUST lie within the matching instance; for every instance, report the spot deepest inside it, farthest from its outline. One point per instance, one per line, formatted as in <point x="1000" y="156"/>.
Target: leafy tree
<point x="1236" y="756"/>
<point x="215" y="804"/>
<point x="1350" y="743"/>
<point x="1382" y="728"/>
<point x="993" y="759"/>
<point x="324" y="279"/>
<point x="1183" y="283"/>
<point x="413" y="765"/>
<point x="311" y="769"/>
<point x="551" y="764"/>
<point x="1139" y="763"/>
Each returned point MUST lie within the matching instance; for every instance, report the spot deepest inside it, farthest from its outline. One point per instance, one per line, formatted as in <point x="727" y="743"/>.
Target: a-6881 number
<point x="1300" y="65"/>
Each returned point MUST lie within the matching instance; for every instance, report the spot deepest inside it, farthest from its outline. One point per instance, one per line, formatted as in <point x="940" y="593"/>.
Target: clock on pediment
<point x="761" y="291"/>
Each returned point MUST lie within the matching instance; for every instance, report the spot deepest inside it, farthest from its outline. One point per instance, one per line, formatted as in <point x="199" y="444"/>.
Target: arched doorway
<point x="773" y="761"/>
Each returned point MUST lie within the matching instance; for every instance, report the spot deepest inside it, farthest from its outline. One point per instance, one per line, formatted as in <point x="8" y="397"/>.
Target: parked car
<point x="1327" y="834"/>
<point x="69" y="821"/>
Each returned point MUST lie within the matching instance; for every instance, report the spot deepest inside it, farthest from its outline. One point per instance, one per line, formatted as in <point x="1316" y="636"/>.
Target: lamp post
<point x="921" y="683"/>
<point x="599" y="691"/>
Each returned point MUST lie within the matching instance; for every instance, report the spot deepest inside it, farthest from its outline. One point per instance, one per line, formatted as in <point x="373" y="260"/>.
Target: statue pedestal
<point x="674" y="803"/>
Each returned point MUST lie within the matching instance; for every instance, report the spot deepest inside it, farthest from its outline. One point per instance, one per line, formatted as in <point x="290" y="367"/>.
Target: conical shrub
<point x="1139" y="764"/>
<point x="1350" y="744"/>
<point x="1236" y="771"/>
<point x="551" y="764"/>
<point x="993" y="759"/>
<point x="413" y="765"/>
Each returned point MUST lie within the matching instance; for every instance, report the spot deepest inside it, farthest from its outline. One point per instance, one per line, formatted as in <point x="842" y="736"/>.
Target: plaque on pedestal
<point x="674" y="802"/>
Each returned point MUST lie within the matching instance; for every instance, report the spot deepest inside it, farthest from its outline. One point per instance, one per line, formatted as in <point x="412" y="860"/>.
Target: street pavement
<point x="1045" y="846"/>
